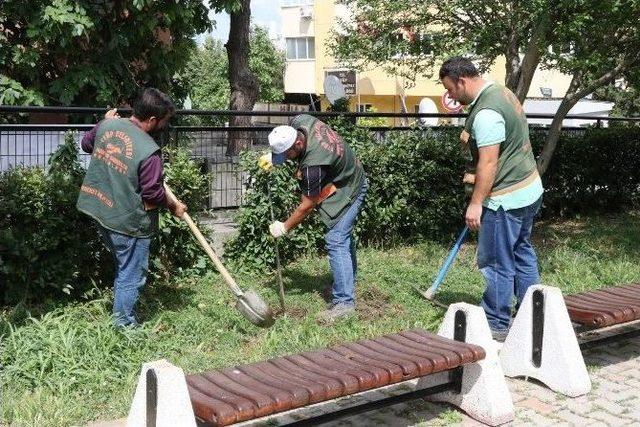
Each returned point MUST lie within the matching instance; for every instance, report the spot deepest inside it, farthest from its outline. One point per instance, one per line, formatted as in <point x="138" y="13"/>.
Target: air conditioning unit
<point x="306" y="12"/>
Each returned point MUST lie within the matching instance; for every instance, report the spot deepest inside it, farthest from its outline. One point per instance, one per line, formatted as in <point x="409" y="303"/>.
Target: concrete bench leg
<point x="485" y="395"/>
<point x="546" y="350"/>
<point x="173" y="405"/>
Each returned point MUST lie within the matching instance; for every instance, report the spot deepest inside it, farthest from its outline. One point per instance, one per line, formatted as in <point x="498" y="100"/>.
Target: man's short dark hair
<point x="457" y="67"/>
<point x="152" y="103"/>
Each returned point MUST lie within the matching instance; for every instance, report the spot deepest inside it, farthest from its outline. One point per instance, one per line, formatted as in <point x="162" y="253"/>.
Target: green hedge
<point x="48" y="248"/>
<point x="45" y="243"/>
<point x="414" y="192"/>
<point x="597" y="170"/>
<point x="415" y="187"/>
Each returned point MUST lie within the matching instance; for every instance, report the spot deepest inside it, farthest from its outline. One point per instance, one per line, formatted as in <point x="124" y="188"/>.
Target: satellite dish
<point x="333" y="88"/>
<point x="427" y="106"/>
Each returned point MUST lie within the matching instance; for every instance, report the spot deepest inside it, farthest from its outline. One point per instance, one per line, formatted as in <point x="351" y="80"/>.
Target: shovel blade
<point x="255" y="309"/>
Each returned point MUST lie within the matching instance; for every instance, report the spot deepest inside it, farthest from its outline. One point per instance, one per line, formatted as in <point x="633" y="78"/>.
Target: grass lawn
<point x="69" y="366"/>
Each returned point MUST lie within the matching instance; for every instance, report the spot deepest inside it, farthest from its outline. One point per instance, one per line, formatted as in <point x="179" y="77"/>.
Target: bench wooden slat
<point x="409" y="367"/>
<point x="262" y="403"/>
<point x="213" y="409"/>
<point x="618" y="310"/>
<point x="394" y="370"/>
<point x="244" y="408"/>
<point x="605" y="307"/>
<point x="447" y="348"/>
<point x="301" y="390"/>
<point x="251" y="391"/>
<point x="333" y="387"/>
<point x="379" y="375"/>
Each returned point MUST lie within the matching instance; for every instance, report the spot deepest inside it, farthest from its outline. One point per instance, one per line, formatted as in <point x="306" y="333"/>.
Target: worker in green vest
<point x="333" y="183"/>
<point x="122" y="190"/>
<point x="506" y="188"/>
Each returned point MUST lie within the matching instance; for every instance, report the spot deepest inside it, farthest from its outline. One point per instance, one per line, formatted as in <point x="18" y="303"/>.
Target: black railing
<point x="32" y="144"/>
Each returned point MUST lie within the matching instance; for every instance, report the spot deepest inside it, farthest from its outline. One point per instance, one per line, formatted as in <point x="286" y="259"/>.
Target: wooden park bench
<point x="345" y="379"/>
<point x="543" y="340"/>
<point x="602" y="308"/>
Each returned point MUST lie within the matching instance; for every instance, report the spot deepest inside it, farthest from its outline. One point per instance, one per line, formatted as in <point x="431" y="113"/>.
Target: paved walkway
<point x="614" y="400"/>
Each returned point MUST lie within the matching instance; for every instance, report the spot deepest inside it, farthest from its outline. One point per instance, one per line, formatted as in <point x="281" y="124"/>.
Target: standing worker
<point x="332" y="181"/>
<point x="123" y="188"/>
<point x="507" y="189"/>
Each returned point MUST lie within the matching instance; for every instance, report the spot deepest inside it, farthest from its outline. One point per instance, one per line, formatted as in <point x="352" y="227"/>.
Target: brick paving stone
<point x="607" y="418"/>
<point x="632" y="382"/>
<point x="612" y="389"/>
<point x="543" y="393"/>
<point x="542" y="421"/>
<point x="572" y="418"/>
<point x="609" y="406"/>
<point x="537" y="405"/>
<point x="578" y="407"/>
<point x="626" y="395"/>
<point x="617" y="377"/>
<point x="634" y="415"/>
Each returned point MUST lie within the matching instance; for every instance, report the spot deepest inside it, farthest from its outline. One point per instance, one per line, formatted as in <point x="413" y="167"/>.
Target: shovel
<point x="249" y="303"/>
<point x="278" y="265"/>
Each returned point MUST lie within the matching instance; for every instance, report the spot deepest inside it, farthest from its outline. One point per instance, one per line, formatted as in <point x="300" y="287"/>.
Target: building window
<point x="364" y="108"/>
<point x="288" y="3"/>
<point x="301" y="48"/>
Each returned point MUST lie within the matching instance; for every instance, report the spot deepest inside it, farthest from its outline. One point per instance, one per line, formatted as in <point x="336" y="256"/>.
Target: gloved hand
<point x="277" y="229"/>
<point x="265" y="162"/>
<point x="112" y="114"/>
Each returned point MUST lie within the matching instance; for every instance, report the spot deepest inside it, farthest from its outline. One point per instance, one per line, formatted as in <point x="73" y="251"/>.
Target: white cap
<point x="282" y="138"/>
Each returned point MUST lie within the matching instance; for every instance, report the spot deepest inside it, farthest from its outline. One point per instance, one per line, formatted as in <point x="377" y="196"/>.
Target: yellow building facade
<point x="307" y="26"/>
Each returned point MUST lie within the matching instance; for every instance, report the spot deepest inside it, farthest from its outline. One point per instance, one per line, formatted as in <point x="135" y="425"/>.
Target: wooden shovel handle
<point x="205" y="245"/>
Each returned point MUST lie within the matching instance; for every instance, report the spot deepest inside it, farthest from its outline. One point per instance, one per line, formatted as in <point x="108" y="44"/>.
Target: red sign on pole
<point x="450" y="104"/>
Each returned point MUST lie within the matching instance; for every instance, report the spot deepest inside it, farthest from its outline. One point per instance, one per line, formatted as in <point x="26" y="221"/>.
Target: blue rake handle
<point x="430" y="293"/>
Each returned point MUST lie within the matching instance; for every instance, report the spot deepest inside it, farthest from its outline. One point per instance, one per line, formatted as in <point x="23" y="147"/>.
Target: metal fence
<point x="33" y="144"/>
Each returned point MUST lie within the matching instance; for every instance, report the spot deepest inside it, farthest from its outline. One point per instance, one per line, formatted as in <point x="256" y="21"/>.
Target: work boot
<point x="337" y="311"/>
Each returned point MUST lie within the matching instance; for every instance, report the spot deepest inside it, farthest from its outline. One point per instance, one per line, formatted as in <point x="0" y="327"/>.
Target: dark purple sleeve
<point x="311" y="182"/>
<point x="89" y="138"/>
<point x="150" y="181"/>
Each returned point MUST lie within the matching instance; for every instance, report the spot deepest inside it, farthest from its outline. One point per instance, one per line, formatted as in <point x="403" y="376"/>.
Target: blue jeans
<point x="507" y="260"/>
<point x="341" y="247"/>
<point x="131" y="258"/>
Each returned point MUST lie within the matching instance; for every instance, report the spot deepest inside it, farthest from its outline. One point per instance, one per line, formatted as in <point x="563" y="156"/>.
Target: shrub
<point x="46" y="245"/>
<point x="415" y="186"/>
<point x="595" y="170"/>
<point x="254" y="248"/>
<point x="49" y="248"/>
<point x="414" y="191"/>
<point x="175" y="247"/>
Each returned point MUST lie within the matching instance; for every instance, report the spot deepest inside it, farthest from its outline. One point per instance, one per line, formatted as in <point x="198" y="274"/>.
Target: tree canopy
<point x="592" y="41"/>
<point x="205" y="76"/>
<point x="95" y="52"/>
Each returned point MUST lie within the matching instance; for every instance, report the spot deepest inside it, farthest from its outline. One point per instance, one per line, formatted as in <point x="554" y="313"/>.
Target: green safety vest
<point x="110" y="192"/>
<point x="516" y="163"/>
<point x="326" y="148"/>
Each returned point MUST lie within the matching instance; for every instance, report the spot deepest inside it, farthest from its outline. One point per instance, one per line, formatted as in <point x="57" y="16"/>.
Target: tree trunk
<point x="531" y="58"/>
<point x="551" y="141"/>
<point x="244" y="84"/>
<point x="512" y="63"/>
<point x="573" y="95"/>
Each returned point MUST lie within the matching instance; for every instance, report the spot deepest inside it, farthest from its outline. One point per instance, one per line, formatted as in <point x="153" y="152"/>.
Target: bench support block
<point x="484" y="394"/>
<point x="168" y="402"/>
<point x="558" y="362"/>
